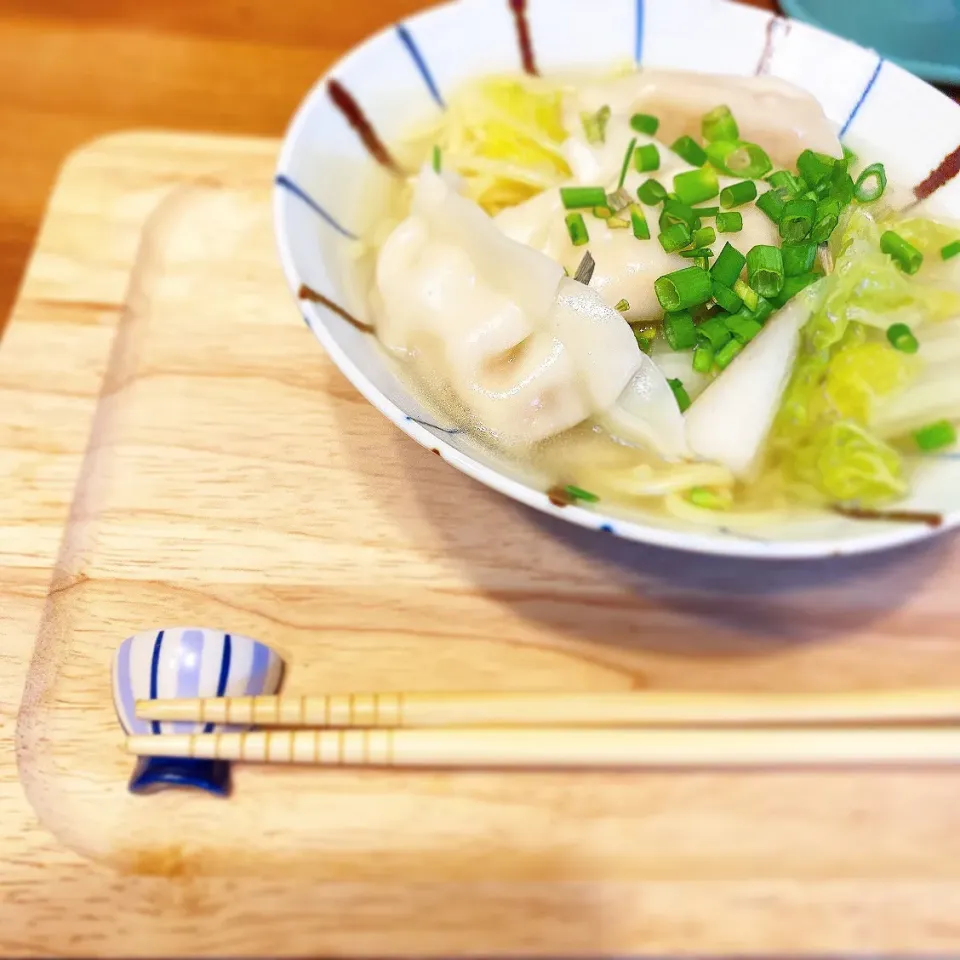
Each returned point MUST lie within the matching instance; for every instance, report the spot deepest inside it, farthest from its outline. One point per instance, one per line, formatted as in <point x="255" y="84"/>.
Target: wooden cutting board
<point x="176" y="448"/>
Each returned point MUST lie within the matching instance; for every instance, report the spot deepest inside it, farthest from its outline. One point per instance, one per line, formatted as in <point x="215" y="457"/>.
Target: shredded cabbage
<point x="503" y="135"/>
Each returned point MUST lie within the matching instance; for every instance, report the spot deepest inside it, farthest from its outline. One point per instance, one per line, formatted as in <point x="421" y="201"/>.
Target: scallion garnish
<point x="901" y="338"/>
<point x="850" y="158"/>
<point x="736" y="158"/>
<point x="950" y="250"/>
<point x="703" y="237"/>
<point x="626" y="163"/>
<point x="644" y="123"/>
<point x="575" y="198"/>
<point x="641" y="229"/>
<point x="726" y="354"/>
<point x="683" y="398"/>
<point x="737" y="194"/>
<point x="797" y="220"/>
<point x="707" y="499"/>
<point x="871" y="183"/>
<point x="617" y="223"/>
<point x="714" y="331"/>
<point x="761" y="311"/>
<point x="704" y="213"/>
<point x="743" y="327"/>
<point x="679" y="330"/>
<point x="675" y="237"/>
<point x="798" y="258"/>
<point x="828" y="216"/>
<point x="675" y="211"/>
<point x="578" y="493"/>
<point x="595" y="125"/>
<point x="747" y="294"/>
<point x="793" y="285"/>
<point x="841" y="185"/>
<point x="651" y="192"/>
<point x="784" y="180"/>
<point x="695" y="186"/>
<point x="936" y="436"/>
<point x="690" y="150"/>
<point x="436" y="159"/>
<point x="619" y="199"/>
<point x="906" y="255"/>
<point x="719" y="124"/>
<point x="622" y="306"/>
<point x="700" y="255"/>
<point x="682" y="289"/>
<point x="585" y="269"/>
<point x="814" y="167"/>
<point x="765" y="269"/>
<point x="731" y="222"/>
<point x="703" y="357"/>
<point x="602" y="213"/>
<point x="726" y="298"/>
<point x="577" y="229"/>
<point x="644" y="335"/>
<point x="726" y="268"/>
<point x="772" y="204"/>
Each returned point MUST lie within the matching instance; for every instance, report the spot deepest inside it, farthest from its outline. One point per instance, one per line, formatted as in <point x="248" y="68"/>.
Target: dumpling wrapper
<point x="729" y="422"/>
<point x="528" y="352"/>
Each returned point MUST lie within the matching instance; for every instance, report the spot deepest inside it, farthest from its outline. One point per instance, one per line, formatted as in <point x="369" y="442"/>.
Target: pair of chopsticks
<point x="636" y="729"/>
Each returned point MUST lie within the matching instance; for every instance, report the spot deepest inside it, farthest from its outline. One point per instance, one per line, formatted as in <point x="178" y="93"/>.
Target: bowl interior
<point x="339" y="160"/>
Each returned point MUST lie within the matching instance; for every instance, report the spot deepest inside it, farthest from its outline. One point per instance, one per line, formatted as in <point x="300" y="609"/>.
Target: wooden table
<point x="71" y="71"/>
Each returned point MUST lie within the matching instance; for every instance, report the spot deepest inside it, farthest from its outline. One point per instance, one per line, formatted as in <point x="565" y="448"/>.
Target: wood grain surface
<point x="178" y="448"/>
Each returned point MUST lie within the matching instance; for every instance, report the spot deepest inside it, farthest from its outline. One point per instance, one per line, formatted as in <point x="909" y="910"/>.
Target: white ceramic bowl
<point x="333" y="165"/>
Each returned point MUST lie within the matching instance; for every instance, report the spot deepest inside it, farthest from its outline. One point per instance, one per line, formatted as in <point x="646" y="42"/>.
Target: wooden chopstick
<point x="575" y="747"/>
<point x="640" y="708"/>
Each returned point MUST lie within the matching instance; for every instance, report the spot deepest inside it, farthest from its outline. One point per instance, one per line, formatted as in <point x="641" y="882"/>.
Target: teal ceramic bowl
<point x="922" y="36"/>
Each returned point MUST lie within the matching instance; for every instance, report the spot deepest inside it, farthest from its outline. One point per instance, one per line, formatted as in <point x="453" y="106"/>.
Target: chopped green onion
<point x="935" y="436"/>
<point x="772" y="204"/>
<point x="644" y="335"/>
<point x="950" y="250"/>
<point x="684" y="288"/>
<point x="695" y="186"/>
<point x="707" y="499"/>
<point x="906" y="255"/>
<point x="814" y="167"/>
<point x="617" y="223"/>
<point x="726" y="298"/>
<point x="736" y="158"/>
<point x="743" y="327"/>
<point x="683" y="398"/>
<point x="436" y="159"/>
<point x="738" y="194"/>
<point x="690" y="150"/>
<point x="644" y="123"/>
<point x="765" y="270"/>
<point x="747" y="294"/>
<point x="575" y="198"/>
<point x="719" y="124"/>
<point x="675" y="237"/>
<point x="703" y="237"/>
<point x="760" y="312"/>
<point x="651" y="192"/>
<point x="704" y="213"/>
<point x="674" y="211"/>
<point x="578" y="493"/>
<point x="626" y="163"/>
<point x="798" y="258"/>
<point x="703" y="357"/>
<point x="793" y="285"/>
<point x="646" y="158"/>
<point x="602" y="213"/>
<point x="726" y="269"/>
<point x="841" y="185"/>
<point x="641" y="229"/>
<point x="697" y="254"/>
<point x="679" y="329"/>
<point x="849" y="156"/>
<point x="714" y="331"/>
<point x="901" y="338"/>
<point x="725" y="355"/>
<point x="595" y="124"/>
<point x="871" y="183"/>
<point x="828" y="216"/>
<point x="619" y="199"/>
<point x="797" y="220"/>
<point x="622" y="306"/>
<point x="786" y="181"/>
<point x="577" y="229"/>
<point x="731" y="222"/>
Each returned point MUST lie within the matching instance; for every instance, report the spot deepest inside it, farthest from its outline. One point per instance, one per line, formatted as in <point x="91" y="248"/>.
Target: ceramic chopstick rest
<point x="187" y="662"/>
